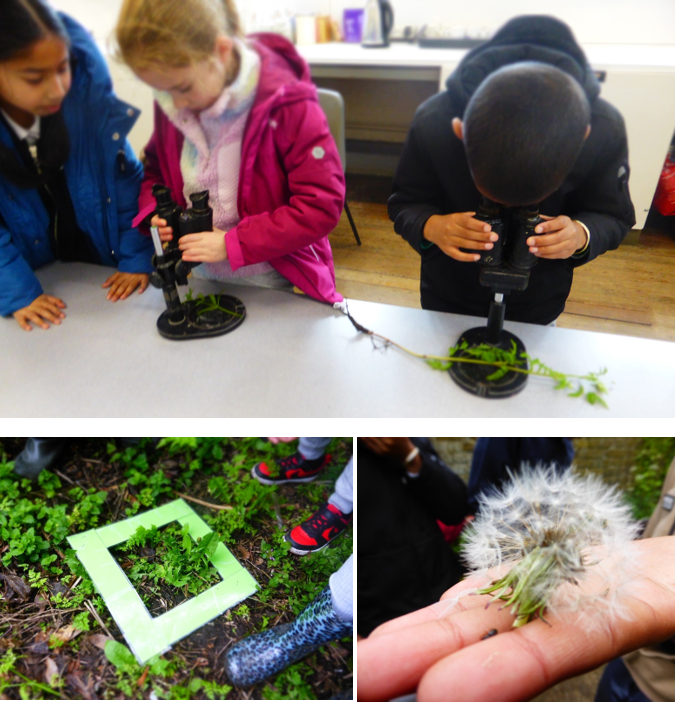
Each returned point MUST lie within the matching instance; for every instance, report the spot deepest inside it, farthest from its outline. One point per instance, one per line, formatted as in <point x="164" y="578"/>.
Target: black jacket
<point x="404" y="561"/>
<point x="433" y="177"/>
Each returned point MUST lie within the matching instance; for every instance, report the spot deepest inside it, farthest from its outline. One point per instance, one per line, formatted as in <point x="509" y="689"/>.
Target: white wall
<point x="593" y="21"/>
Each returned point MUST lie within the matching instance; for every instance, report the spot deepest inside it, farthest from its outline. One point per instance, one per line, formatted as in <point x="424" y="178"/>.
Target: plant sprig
<point x="510" y="360"/>
<point x="504" y="361"/>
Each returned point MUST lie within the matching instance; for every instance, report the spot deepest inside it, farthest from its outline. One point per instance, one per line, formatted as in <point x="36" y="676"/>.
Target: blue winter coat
<point x="103" y="175"/>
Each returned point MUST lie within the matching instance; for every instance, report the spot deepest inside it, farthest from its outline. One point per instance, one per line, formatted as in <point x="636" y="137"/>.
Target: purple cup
<point x="352" y="21"/>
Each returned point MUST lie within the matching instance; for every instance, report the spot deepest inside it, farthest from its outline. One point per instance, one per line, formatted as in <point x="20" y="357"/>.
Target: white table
<point x="639" y="82"/>
<point x="292" y="357"/>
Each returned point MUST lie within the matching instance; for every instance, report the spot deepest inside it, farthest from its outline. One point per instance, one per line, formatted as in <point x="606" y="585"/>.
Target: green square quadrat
<point x="148" y="636"/>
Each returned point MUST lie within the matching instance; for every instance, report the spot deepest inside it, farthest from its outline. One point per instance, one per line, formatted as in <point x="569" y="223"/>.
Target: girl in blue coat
<point x="69" y="180"/>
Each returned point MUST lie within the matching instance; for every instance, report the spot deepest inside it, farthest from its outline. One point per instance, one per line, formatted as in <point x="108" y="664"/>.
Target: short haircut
<point x="523" y="130"/>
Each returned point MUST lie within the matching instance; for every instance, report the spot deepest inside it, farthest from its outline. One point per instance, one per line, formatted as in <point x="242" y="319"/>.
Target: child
<point x="513" y="125"/>
<point x="239" y="118"/>
<point x="68" y="179"/>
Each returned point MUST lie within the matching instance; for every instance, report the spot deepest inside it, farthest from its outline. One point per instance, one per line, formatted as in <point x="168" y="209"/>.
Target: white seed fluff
<point x="577" y="525"/>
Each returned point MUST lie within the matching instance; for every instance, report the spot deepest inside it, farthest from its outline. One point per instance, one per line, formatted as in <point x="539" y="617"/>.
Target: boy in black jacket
<point x="522" y="123"/>
<point x="404" y="561"/>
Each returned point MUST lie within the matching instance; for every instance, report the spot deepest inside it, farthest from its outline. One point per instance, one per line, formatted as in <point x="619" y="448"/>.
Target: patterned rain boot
<point x="37" y="455"/>
<point x="260" y="656"/>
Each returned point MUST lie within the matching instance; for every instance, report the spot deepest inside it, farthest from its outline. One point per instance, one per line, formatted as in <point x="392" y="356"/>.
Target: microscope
<point x="191" y="319"/>
<point x="504" y="268"/>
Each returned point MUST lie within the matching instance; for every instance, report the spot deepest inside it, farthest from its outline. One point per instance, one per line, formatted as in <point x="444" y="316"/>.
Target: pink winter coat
<point x="291" y="182"/>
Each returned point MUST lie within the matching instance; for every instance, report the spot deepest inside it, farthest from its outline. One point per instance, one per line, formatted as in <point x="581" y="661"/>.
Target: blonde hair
<point x="173" y="33"/>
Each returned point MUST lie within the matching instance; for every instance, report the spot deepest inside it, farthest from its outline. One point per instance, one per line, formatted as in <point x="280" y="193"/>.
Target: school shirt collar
<point x="31" y="135"/>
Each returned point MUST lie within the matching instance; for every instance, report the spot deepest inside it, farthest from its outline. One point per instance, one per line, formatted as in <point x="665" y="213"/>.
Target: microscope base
<point x="473" y="377"/>
<point x="198" y="325"/>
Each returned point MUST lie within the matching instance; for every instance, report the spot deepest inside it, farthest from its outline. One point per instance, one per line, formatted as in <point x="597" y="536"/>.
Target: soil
<point x="27" y="622"/>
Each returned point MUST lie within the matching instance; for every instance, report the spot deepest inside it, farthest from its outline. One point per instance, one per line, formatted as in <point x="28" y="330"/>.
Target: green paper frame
<point x="148" y="636"/>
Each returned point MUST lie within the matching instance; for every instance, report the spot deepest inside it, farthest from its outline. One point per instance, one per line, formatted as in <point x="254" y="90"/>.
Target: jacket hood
<point x="527" y="38"/>
<point x="284" y="67"/>
<point x="85" y="54"/>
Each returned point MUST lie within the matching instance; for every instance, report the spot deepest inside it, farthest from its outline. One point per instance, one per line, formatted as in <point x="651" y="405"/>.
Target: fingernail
<point x="534" y="249"/>
<point x="530" y="242"/>
<point x="489" y="246"/>
<point x="538" y="230"/>
<point x="494" y="237"/>
<point x="476" y="258"/>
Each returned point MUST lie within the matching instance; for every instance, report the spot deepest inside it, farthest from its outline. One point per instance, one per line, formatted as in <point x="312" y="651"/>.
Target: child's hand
<point x="41" y="311"/>
<point x="123" y="284"/>
<point x="459" y="229"/>
<point x="165" y="233"/>
<point x="282" y="439"/>
<point x="564" y="237"/>
<point x="206" y="247"/>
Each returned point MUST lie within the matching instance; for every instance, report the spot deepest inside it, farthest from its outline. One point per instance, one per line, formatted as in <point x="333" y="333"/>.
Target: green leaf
<point x="595" y="399"/>
<point x="578" y="393"/>
<point x="119" y="655"/>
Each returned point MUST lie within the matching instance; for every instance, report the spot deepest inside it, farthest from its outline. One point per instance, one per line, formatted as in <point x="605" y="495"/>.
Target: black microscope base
<point x="473" y="377"/>
<point x="199" y="325"/>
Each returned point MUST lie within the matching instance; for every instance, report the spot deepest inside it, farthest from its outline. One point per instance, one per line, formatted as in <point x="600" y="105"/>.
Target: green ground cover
<point x="57" y="639"/>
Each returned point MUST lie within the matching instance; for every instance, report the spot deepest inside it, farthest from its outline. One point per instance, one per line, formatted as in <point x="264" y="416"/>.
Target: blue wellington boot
<point x="37" y="455"/>
<point x="261" y="655"/>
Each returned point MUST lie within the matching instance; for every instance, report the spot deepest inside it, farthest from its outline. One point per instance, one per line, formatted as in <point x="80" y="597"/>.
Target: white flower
<point x="551" y="526"/>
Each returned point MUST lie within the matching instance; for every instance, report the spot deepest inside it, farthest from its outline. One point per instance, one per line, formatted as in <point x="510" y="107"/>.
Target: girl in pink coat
<point x="240" y="118"/>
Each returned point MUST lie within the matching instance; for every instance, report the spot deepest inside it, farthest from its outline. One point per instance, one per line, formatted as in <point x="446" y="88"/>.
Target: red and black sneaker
<point x="319" y="530"/>
<point x="294" y="469"/>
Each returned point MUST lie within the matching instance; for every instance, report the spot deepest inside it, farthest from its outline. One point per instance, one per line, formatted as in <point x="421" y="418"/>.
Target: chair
<point x="334" y="107"/>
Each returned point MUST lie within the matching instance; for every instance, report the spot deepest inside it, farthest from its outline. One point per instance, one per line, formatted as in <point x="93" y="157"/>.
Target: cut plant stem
<point x="537" y="367"/>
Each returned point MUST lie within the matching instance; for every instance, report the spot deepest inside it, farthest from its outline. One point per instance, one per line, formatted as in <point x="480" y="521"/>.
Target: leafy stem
<point x="211" y="303"/>
<point x="504" y="361"/>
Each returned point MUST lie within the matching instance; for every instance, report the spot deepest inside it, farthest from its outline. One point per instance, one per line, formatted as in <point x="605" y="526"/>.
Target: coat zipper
<point x="33" y="152"/>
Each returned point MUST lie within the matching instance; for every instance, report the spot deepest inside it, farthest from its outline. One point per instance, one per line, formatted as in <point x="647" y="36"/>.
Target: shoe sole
<point x="299" y="552"/>
<point x="266" y="481"/>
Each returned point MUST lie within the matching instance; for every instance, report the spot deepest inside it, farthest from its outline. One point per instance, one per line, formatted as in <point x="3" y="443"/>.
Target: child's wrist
<point x="586" y="237"/>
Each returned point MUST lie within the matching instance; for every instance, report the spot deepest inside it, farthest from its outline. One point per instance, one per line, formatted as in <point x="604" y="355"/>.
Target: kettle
<point x="378" y="23"/>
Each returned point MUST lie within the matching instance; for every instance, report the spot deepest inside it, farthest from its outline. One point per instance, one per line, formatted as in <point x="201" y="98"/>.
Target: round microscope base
<point x="204" y="318"/>
<point x="474" y="377"/>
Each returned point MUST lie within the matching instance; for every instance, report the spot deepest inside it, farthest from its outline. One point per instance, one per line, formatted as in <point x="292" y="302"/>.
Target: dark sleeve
<point x="19" y="286"/>
<point x="417" y="193"/>
<point x="442" y="492"/>
<point x="602" y="201"/>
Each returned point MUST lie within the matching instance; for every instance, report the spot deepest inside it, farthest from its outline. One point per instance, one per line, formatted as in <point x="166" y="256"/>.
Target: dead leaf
<point x="144" y="675"/>
<point x="259" y="561"/>
<point x="244" y="552"/>
<point x="51" y="671"/>
<point x="66" y="633"/>
<point x="87" y="691"/>
<point x="201" y="661"/>
<point x="41" y="602"/>
<point x="99" y="640"/>
<point x="15" y="589"/>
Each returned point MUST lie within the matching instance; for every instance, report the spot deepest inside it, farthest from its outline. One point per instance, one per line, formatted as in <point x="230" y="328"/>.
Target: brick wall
<point x="611" y="457"/>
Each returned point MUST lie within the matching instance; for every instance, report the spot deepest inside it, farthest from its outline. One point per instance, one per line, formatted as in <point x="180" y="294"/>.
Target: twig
<point x="65" y="477"/>
<point x="201" y="502"/>
<point x="96" y="616"/>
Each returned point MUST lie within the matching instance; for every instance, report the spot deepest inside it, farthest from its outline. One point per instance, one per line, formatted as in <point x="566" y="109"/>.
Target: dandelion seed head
<point x="552" y="526"/>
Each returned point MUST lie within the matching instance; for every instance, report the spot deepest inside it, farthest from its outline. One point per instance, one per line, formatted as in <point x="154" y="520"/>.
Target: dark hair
<point x="523" y="130"/>
<point x="25" y="22"/>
